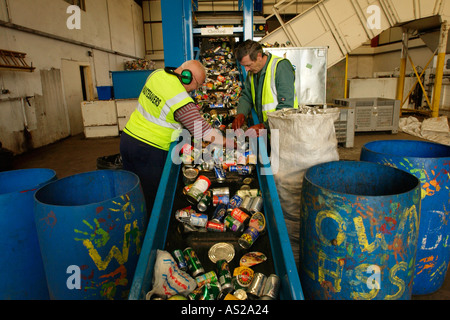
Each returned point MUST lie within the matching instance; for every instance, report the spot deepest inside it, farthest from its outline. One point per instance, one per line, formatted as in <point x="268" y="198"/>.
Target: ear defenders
<point x="185" y="76"/>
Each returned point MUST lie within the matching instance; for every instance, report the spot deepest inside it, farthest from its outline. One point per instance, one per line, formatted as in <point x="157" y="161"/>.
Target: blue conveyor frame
<point x="155" y="237"/>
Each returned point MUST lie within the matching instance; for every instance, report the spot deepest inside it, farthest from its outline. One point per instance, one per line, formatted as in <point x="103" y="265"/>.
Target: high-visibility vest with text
<point x="153" y="121"/>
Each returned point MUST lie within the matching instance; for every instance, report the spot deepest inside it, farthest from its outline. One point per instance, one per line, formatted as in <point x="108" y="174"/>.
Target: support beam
<point x="177" y="32"/>
<point x="401" y="79"/>
<point x="248" y="19"/>
<point x="439" y="70"/>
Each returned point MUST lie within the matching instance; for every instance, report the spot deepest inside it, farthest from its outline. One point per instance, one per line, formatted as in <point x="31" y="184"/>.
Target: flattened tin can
<point x="251" y="193"/>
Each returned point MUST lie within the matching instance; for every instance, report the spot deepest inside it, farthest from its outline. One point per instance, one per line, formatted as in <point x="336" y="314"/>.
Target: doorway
<point x="78" y="87"/>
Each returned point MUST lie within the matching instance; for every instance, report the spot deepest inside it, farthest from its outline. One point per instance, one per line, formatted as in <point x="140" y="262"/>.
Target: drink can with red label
<point x="215" y="226"/>
<point x="223" y="198"/>
<point x="240" y="215"/>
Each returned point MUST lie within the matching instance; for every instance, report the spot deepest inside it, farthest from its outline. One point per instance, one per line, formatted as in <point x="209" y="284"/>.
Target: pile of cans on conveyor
<point x="222" y="86"/>
<point x="220" y="284"/>
<point x="240" y="213"/>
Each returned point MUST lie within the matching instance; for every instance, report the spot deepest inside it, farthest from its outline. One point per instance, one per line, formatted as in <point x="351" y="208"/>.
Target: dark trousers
<point x="146" y="162"/>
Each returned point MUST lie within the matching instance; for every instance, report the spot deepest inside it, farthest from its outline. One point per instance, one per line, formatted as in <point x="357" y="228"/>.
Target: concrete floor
<point x="77" y="155"/>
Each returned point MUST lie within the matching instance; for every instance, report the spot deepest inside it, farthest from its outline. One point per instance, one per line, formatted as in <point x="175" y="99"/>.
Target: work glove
<point x="254" y="131"/>
<point x="238" y="121"/>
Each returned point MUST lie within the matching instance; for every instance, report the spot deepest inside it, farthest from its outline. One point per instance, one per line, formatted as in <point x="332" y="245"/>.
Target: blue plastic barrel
<point x="21" y="270"/>
<point x="430" y="162"/>
<point x="359" y="226"/>
<point x="91" y="228"/>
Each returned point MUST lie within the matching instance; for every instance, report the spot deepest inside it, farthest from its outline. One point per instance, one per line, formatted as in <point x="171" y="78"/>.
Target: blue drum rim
<point x="37" y="186"/>
<point x="406" y="141"/>
<point x="85" y="174"/>
<point x="417" y="184"/>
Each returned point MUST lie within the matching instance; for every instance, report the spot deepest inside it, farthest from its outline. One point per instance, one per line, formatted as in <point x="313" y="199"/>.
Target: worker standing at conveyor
<point x="164" y="108"/>
<point x="269" y="86"/>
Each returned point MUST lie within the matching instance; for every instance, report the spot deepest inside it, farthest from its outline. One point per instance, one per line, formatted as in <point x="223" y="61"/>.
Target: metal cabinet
<point x="374" y="114"/>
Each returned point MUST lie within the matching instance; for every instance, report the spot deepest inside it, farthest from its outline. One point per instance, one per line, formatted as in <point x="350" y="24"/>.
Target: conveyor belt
<point x="201" y="242"/>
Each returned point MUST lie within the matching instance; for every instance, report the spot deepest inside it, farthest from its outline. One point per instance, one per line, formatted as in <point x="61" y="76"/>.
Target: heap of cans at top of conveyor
<point x="222" y="87"/>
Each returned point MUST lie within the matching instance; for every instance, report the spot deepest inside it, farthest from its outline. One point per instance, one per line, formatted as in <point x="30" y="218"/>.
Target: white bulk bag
<point x="300" y="139"/>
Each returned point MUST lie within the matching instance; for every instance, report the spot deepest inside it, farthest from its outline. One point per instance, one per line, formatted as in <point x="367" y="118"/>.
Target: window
<point x="79" y="3"/>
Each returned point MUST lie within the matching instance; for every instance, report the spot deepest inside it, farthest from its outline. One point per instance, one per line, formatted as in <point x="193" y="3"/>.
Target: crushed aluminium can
<point x="204" y="202"/>
<point x="220" y="174"/>
<point x="224" y="274"/>
<point x="257" y="204"/>
<point x="246" y="204"/>
<point x="220" y="213"/>
<point x="194" y="264"/>
<point x="180" y="260"/>
<point x="271" y="288"/>
<point x="255" y="289"/>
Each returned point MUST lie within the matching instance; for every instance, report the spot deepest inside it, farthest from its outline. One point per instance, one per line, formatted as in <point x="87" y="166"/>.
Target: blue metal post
<point x="248" y="19"/>
<point x="177" y="31"/>
<point x="188" y="37"/>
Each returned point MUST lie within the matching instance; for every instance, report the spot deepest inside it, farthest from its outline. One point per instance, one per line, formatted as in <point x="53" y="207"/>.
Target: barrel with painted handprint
<point x="430" y="162"/>
<point x="90" y="228"/>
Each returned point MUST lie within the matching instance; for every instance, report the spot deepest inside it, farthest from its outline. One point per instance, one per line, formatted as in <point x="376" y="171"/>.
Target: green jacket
<point x="285" y="83"/>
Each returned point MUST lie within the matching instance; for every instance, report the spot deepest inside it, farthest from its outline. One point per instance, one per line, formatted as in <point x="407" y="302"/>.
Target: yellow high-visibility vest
<point x="269" y="99"/>
<point x="153" y="121"/>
